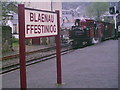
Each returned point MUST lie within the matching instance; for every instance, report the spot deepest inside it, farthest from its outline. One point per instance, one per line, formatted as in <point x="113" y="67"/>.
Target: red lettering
<point x="42" y="17"/>
<point x="51" y="28"/>
<point x="52" y="18"/>
<point x="39" y="29"/>
<point x="47" y="28"/>
<point x="49" y="19"/>
<point x="46" y="18"/>
<point x="35" y="29"/>
<point x="28" y="28"/>
<point x="32" y="28"/>
<point x="42" y="28"/>
<point x="39" y="19"/>
<point x="31" y="17"/>
<point x="54" y="28"/>
<point x="35" y="17"/>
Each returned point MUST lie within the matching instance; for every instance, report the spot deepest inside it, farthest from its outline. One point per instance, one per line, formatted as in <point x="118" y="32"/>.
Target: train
<point x="86" y="32"/>
<point x="118" y="26"/>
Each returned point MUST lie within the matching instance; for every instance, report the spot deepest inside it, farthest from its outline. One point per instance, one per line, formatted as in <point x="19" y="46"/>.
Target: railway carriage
<point x="87" y="32"/>
<point x="118" y="29"/>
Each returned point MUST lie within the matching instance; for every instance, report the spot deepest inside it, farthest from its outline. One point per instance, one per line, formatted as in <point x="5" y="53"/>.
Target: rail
<point x="13" y="67"/>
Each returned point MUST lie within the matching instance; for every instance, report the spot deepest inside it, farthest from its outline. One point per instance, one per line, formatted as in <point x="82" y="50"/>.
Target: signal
<point x="112" y="10"/>
<point x="117" y="11"/>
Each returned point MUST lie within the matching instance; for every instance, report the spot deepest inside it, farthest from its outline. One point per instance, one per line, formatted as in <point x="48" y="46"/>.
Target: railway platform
<point x="90" y="67"/>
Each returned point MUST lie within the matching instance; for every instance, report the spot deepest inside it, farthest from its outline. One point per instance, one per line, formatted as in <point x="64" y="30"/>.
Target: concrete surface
<point x="91" y="67"/>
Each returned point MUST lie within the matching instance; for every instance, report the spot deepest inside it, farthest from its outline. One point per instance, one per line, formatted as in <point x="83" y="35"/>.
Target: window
<point x="14" y="28"/>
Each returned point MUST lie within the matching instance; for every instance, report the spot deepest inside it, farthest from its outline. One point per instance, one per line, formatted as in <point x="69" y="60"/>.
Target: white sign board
<point x="40" y="23"/>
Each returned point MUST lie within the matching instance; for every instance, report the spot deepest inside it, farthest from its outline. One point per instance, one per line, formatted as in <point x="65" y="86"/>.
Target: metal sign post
<point x="21" y="16"/>
<point x="34" y="23"/>
<point x="115" y="23"/>
<point x="59" y="72"/>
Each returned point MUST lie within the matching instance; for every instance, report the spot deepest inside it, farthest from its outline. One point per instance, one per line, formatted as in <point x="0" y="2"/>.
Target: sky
<point x="65" y="0"/>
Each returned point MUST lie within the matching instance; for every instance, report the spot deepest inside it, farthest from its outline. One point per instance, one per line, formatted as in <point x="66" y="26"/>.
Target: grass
<point x="15" y="44"/>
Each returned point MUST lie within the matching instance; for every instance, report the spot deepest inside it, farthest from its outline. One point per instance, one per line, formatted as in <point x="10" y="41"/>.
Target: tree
<point x="96" y="9"/>
<point x="7" y="7"/>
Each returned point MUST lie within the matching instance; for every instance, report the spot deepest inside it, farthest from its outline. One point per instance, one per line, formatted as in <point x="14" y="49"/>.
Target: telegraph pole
<point x="114" y="11"/>
<point x="115" y="19"/>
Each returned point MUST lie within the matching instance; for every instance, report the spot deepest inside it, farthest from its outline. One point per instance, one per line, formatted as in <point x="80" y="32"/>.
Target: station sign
<point x="35" y="23"/>
<point x="40" y="23"/>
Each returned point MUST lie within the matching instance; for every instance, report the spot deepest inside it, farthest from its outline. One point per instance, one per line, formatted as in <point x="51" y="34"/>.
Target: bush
<point x="6" y="38"/>
<point x="15" y="40"/>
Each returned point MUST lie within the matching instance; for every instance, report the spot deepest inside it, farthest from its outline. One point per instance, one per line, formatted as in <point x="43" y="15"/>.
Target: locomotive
<point x="87" y="32"/>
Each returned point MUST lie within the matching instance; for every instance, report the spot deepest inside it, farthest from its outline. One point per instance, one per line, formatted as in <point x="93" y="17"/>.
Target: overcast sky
<point x="65" y="0"/>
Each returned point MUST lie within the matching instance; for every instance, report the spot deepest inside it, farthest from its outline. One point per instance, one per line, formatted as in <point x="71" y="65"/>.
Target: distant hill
<point x="79" y="7"/>
<point x="74" y="5"/>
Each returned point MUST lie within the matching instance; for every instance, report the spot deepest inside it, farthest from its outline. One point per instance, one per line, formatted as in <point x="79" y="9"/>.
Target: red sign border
<point x="41" y="11"/>
<point x="22" y="51"/>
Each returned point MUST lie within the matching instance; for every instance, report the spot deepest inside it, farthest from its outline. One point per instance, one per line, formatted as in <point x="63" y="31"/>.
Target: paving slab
<point x="91" y="67"/>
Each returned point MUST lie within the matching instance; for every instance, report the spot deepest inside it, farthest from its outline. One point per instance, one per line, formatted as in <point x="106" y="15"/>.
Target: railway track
<point x="27" y="53"/>
<point x="64" y="50"/>
<point x="33" y="61"/>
